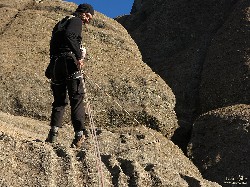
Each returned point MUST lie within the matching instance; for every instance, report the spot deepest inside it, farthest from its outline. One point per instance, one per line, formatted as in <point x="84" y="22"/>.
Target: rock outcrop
<point x="140" y="158"/>
<point x="200" y="48"/>
<point x="225" y="77"/>
<point x="219" y="146"/>
<point x="113" y="62"/>
<point x="174" y="37"/>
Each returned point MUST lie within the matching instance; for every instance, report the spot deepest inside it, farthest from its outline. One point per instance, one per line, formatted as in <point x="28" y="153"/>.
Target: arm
<point x="73" y="36"/>
<point x="53" y="45"/>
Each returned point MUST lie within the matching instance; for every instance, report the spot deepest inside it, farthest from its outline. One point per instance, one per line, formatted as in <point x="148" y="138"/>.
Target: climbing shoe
<point x="78" y="141"/>
<point x="52" y="137"/>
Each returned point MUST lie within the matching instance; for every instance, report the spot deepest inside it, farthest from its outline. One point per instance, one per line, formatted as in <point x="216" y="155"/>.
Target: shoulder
<point x="74" y="25"/>
<point x="75" y="20"/>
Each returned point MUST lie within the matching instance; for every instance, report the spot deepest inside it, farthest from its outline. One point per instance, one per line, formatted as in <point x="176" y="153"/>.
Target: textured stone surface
<point x="113" y="62"/>
<point x="131" y="157"/>
<point x="226" y="72"/>
<point x="174" y="37"/>
<point x="201" y="50"/>
<point x="219" y="146"/>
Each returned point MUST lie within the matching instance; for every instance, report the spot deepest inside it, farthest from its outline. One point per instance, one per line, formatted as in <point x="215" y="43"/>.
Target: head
<point x="85" y="12"/>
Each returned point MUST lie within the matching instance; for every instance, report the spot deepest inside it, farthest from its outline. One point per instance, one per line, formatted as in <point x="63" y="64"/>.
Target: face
<point x="86" y="17"/>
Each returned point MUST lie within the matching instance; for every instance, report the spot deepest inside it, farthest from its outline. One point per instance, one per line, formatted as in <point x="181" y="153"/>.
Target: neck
<point x="77" y="14"/>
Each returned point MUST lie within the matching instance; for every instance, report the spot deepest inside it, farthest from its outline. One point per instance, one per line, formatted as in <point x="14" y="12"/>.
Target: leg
<point x="58" y="106"/>
<point x="59" y="90"/>
<point x="76" y="95"/>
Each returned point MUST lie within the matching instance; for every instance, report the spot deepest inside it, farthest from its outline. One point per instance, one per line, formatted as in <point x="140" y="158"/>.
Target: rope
<point x="93" y="83"/>
<point x="92" y="123"/>
<point x="95" y="141"/>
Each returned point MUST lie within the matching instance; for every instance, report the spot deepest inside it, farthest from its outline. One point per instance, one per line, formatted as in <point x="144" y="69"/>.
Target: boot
<point x="52" y="137"/>
<point x="78" y="140"/>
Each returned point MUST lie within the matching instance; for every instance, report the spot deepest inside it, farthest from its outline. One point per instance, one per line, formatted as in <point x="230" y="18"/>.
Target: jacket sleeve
<point x="73" y="36"/>
<point x="52" y="41"/>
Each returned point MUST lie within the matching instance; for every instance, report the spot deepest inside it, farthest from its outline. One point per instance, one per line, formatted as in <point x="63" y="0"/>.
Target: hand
<point x="80" y="63"/>
<point x="84" y="51"/>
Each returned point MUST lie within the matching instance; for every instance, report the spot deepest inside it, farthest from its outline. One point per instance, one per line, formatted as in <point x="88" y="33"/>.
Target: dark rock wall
<point x="225" y="77"/>
<point x="174" y="38"/>
<point x="177" y="40"/>
<point x="201" y="50"/>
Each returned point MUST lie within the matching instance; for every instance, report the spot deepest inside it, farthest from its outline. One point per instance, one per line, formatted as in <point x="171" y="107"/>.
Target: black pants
<point x="62" y="82"/>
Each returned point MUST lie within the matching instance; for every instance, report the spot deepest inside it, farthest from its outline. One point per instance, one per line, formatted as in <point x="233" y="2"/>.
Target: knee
<point x="60" y="104"/>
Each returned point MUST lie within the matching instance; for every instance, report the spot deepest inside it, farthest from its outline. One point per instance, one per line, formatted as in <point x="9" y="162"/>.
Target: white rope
<point x="92" y="82"/>
<point x="110" y="97"/>
<point x="95" y="141"/>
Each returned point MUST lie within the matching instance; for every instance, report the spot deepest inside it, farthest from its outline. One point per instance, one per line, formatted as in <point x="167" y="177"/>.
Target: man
<point x="64" y="71"/>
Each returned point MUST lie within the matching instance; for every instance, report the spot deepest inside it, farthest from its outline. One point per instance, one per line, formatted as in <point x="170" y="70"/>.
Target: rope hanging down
<point x="93" y="128"/>
<point x="93" y="83"/>
<point x="94" y="139"/>
<point x="92" y="125"/>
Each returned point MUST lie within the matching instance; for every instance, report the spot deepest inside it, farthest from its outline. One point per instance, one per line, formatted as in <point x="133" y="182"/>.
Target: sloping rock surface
<point x="219" y="146"/>
<point x="113" y="62"/>
<point x="130" y="154"/>
<point x="141" y="157"/>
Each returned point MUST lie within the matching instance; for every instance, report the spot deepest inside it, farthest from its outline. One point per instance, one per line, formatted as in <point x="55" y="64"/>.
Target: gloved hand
<point x="84" y="51"/>
<point x="80" y="63"/>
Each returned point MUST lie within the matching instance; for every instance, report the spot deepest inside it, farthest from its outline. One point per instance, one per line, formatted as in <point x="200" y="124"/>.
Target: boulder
<point x="220" y="145"/>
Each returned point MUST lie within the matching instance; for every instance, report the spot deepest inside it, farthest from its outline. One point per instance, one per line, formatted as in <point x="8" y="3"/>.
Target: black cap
<point x="86" y="8"/>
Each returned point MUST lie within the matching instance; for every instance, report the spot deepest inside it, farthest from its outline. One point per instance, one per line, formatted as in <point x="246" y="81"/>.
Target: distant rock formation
<point x="200" y="48"/>
<point x="225" y="77"/>
<point x="136" y="6"/>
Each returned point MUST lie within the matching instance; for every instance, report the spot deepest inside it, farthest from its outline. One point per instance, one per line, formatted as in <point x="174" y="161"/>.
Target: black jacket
<point x="66" y="37"/>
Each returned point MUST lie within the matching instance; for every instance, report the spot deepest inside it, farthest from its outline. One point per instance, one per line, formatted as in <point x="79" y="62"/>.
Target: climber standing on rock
<point x="64" y="71"/>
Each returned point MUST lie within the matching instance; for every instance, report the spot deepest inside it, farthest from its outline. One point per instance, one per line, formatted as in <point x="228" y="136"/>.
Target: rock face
<point x="136" y="6"/>
<point x="141" y="157"/>
<point x="131" y="153"/>
<point x="173" y="37"/>
<point x="220" y="145"/>
<point x="226" y="72"/>
<point x="200" y="48"/>
<point x="113" y="62"/>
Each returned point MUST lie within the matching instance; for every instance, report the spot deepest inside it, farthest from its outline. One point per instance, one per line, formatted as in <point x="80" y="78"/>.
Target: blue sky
<point x="110" y="8"/>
